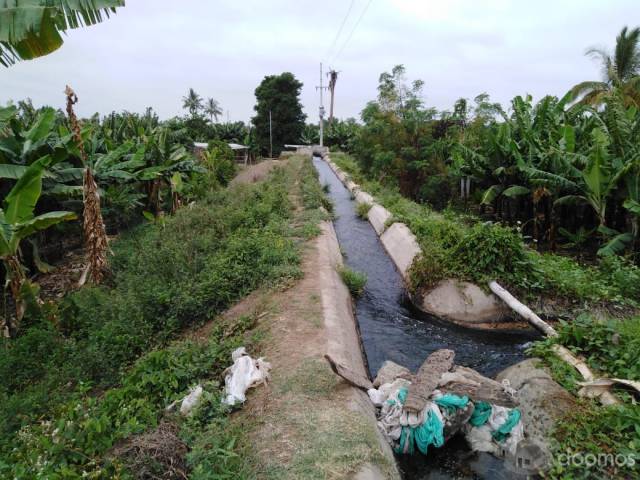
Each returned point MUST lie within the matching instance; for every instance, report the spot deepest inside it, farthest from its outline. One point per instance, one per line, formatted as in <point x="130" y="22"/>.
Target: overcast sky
<point x="152" y="51"/>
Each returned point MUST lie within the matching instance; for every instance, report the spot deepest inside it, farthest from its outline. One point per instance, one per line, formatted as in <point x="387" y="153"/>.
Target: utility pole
<point x="270" y="137"/>
<point x="321" y="88"/>
<point x="333" y="78"/>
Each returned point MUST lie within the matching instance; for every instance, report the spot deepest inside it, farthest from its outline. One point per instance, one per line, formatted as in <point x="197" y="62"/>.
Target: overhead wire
<point x="355" y="26"/>
<point x="344" y="21"/>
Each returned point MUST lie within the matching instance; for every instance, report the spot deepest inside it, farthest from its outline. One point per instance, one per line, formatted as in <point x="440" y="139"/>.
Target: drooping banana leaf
<point x="515" y="191"/>
<point x="32" y="28"/>
<point x="491" y="194"/>
<point x="616" y="245"/>
<point x="22" y="198"/>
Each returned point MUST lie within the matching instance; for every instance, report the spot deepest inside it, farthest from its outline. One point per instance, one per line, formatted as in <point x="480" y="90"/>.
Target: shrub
<point x="220" y="160"/>
<point x="355" y="281"/>
<point x="362" y="209"/>
<point x="489" y="252"/>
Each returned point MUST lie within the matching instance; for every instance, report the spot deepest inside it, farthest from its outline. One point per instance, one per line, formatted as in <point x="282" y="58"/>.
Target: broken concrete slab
<point x="378" y="217"/>
<point x="390" y="371"/>
<point x="542" y="401"/>
<point x="402" y="247"/>
<point x="463" y="303"/>
<point x="363" y="197"/>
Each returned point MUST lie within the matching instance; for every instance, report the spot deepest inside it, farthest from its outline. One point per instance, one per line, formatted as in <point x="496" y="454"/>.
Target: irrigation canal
<point x="391" y="329"/>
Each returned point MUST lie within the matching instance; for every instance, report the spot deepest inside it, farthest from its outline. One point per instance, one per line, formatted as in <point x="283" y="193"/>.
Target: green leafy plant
<point x="355" y="281"/>
<point x="362" y="209"/>
<point x="17" y="222"/>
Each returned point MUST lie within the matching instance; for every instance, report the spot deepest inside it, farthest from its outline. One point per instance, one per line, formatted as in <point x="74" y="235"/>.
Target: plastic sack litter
<point x="500" y="433"/>
<point x="191" y="400"/>
<point x="242" y="375"/>
<point x="491" y="428"/>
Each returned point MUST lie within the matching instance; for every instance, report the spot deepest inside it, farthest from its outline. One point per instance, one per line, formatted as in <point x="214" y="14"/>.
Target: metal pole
<point x="270" y="137"/>
<point x="321" y="110"/>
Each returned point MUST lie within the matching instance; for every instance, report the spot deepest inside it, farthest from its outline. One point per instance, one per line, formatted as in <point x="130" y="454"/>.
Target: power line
<point x="344" y="21"/>
<point x="352" y="31"/>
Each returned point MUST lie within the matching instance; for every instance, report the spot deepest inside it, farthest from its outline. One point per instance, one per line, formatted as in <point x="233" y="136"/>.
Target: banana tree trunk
<point x="16" y="277"/>
<point x="95" y="235"/>
<point x="153" y="202"/>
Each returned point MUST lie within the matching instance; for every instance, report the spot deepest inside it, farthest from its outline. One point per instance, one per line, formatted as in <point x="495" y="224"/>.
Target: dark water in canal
<point x="392" y="330"/>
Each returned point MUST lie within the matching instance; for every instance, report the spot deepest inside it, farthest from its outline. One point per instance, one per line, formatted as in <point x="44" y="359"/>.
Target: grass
<point x="325" y="441"/>
<point x="100" y="365"/>
<point x="362" y="209"/>
<point x="355" y="281"/>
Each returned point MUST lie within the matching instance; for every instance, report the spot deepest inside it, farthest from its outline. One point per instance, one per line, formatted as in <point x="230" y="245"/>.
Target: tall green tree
<point x="32" y="28"/>
<point x="192" y="102"/>
<point x="212" y="108"/>
<point x="280" y="95"/>
<point x="621" y="72"/>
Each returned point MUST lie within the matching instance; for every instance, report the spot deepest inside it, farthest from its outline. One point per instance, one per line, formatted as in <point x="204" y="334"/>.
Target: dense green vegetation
<point x="279" y="118"/>
<point x="565" y="168"/>
<point x="612" y="348"/>
<point x="166" y="277"/>
<point x="459" y="245"/>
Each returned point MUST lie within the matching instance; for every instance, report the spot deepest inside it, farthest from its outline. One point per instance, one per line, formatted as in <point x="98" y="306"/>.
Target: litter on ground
<point x="242" y="375"/>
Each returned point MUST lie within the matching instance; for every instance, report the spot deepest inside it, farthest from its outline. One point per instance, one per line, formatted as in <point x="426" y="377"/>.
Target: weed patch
<point x="355" y="281"/>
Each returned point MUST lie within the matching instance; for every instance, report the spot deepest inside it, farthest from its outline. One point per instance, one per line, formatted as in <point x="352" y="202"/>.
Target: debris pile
<point x="442" y="400"/>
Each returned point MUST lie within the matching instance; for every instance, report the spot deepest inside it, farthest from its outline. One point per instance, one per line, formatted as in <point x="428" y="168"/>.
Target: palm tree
<point x="212" y="108"/>
<point x="621" y="72"/>
<point x="31" y="28"/>
<point x="192" y="102"/>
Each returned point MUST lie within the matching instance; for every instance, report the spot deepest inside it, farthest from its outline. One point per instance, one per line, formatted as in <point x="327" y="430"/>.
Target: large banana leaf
<point x="515" y="191"/>
<point x="31" y="28"/>
<point x="41" y="222"/>
<point x="22" y="198"/>
<point x="9" y="170"/>
<point x="616" y="245"/>
<point x="491" y="194"/>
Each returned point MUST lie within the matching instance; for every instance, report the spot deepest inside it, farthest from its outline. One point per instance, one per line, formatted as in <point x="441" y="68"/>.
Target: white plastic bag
<point x="191" y="400"/>
<point x="243" y="374"/>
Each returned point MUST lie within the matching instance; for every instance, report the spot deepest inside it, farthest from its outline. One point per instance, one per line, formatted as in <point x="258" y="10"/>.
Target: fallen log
<point x="427" y="379"/>
<point x="522" y="310"/>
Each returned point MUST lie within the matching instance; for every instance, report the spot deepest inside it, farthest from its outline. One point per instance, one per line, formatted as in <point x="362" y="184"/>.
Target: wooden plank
<point x="349" y="375"/>
<point x="427" y="379"/>
<point x="464" y="381"/>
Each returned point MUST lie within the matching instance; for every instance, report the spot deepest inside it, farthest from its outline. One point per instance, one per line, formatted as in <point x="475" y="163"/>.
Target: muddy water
<point x="392" y="330"/>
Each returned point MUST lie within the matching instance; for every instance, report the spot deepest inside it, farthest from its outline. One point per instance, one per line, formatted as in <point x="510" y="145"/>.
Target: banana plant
<point x="163" y="158"/>
<point x="17" y="222"/>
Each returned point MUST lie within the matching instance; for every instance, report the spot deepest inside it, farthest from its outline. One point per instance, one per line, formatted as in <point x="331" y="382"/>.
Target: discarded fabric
<point x="242" y="375"/>
<point x="490" y="428"/>
<point x="191" y="400"/>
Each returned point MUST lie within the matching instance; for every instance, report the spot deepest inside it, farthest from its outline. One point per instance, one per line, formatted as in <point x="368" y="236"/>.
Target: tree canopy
<point x="280" y="95"/>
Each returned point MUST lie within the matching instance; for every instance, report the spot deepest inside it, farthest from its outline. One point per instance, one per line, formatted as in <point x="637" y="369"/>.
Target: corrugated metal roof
<point x="232" y="146"/>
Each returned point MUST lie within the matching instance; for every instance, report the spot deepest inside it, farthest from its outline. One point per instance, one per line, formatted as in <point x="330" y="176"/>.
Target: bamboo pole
<point x="606" y="398"/>
<point x="522" y="310"/>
